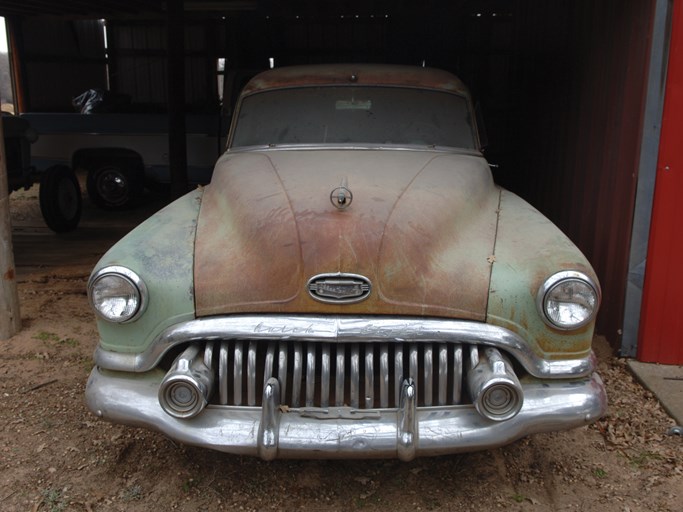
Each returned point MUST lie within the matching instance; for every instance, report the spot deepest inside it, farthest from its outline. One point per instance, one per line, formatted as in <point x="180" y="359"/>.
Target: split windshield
<point x="354" y="115"/>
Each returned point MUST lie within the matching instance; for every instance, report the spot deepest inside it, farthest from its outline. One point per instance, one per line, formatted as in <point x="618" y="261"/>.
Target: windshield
<point x="353" y="114"/>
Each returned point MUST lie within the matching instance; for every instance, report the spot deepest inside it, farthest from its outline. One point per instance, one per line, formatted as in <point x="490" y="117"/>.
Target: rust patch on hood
<point x="420" y="228"/>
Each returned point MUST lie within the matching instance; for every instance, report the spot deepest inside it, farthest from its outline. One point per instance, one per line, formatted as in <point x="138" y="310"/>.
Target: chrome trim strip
<point x="549" y="405"/>
<point x="355" y="147"/>
<point x="337" y="329"/>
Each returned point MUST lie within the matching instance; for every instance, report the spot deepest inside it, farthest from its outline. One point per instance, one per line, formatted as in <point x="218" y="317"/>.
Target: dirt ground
<point x="55" y="455"/>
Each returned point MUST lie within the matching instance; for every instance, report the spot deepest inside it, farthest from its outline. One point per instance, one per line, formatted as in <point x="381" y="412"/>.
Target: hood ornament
<point x="341" y="197"/>
<point x="339" y="288"/>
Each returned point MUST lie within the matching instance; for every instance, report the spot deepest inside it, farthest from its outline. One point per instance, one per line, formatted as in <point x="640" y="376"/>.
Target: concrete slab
<point x="666" y="382"/>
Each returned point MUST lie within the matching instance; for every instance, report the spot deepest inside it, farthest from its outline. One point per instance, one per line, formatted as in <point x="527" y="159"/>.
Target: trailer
<point x="123" y="153"/>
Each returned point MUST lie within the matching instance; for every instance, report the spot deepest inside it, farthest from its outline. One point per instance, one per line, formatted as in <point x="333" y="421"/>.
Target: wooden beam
<point x="10" y="319"/>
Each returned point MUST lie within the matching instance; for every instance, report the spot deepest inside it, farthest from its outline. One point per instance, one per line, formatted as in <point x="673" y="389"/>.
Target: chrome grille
<point x="357" y="375"/>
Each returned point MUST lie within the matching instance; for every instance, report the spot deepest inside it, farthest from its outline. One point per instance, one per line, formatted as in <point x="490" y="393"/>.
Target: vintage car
<point x="351" y="283"/>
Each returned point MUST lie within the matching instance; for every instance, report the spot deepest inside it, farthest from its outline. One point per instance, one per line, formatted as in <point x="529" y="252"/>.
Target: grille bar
<point x="369" y="396"/>
<point x="398" y="372"/>
<point x="443" y="373"/>
<point x="296" y="376"/>
<point x="325" y="376"/>
<point x="357" y="375"/>
<point x="251" y="374"/>
<point x="310" y="375"/>
<point x="223" y="374"/>
<point x="428" y="374"/>
<point x="339" y="380"/>
<point x="237" y="373"/>
<point x="282" y="368"/>
<point x="384" y="375"/>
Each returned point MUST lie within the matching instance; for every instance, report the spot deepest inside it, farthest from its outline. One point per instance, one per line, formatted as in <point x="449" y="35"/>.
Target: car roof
<point x="356" y="74"/>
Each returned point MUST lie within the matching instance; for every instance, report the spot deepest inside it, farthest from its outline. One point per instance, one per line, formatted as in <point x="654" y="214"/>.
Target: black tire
<point x="112" y="186"/>
<point x="60" y="199"/>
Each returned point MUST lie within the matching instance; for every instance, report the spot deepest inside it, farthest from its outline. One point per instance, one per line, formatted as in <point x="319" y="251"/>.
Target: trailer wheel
<point x="60" y="199"/>
<point x="111" y="186"/>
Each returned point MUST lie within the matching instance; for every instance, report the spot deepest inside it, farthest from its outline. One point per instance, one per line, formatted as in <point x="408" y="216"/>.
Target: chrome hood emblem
<point x="341" y="197"/>
<point x="339" y="288"/>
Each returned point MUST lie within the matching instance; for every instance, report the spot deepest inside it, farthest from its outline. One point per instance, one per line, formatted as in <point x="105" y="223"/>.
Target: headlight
<point x="568" y="300"/>
<point x="117" y="294"/>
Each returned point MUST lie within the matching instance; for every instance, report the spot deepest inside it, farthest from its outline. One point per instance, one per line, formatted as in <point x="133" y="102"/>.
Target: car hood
<point x="421" y="228"/>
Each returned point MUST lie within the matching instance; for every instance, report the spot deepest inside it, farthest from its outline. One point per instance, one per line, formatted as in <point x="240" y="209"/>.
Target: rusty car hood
<point x="421" y="228"/>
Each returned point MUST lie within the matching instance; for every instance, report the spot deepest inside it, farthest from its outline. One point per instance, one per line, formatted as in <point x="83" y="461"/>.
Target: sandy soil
<point x="55" y="455"/>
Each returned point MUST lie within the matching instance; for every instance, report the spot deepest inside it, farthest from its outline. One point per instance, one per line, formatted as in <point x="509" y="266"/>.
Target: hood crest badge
<point x="341" y="197"/>
<point x="339" y="288"/>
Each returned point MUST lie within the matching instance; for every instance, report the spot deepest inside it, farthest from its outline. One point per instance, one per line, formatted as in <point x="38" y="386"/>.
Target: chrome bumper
<point x="273" y="431"/>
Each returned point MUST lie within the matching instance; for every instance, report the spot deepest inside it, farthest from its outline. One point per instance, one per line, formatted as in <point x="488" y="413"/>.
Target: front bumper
<point x="273" y="431"/>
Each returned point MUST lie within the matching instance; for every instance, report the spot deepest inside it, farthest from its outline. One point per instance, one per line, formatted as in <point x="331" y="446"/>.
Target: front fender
<point x="529" y="249"/>
<point x="161" y="252"/>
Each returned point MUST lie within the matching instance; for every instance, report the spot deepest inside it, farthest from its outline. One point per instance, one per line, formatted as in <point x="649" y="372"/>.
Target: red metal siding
<point x="661" y="327"/>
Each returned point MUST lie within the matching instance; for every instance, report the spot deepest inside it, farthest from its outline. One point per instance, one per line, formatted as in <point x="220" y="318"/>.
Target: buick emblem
<point x="339" y="288"/>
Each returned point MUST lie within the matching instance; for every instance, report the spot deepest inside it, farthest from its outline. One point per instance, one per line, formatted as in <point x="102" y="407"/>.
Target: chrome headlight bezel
<point x="130" y="278"/>
<point x="563" y="278"/>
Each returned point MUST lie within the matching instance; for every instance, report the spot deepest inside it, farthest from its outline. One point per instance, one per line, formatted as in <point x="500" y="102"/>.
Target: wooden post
<point x="10" y="319"/>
